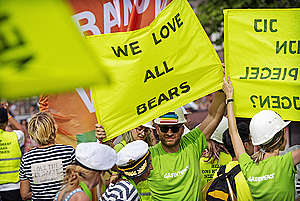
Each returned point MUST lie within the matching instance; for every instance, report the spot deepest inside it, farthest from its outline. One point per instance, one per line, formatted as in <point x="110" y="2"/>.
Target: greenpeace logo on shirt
<point x="265" y="177"/>
<point x="176" y="174"/>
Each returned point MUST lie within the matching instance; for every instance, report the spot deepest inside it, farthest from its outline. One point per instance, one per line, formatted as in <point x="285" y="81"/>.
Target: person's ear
<point x="246" y="145"/>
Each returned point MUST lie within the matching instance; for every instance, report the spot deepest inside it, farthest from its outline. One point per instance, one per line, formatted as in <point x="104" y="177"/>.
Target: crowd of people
<point x="219" y="159"/>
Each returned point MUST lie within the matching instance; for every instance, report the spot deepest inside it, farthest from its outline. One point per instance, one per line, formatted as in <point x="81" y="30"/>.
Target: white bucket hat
<point x="95" y="156"/>
<point x="171" y="118"/>
<point x="264" y="125"/>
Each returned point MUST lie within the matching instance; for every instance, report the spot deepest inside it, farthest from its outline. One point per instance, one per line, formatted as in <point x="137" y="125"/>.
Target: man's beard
<point x="168" y="145"/>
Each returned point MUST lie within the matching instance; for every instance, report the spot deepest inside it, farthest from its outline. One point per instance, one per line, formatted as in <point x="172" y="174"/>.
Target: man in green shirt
<point x="175" y="160"/>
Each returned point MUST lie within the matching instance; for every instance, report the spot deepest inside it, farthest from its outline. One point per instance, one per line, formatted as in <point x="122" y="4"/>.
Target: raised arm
<point x="215" y="113"/>
<point x="233" y="131"/>
<point x="296" y="156"/>
<point x="11" y="120"/>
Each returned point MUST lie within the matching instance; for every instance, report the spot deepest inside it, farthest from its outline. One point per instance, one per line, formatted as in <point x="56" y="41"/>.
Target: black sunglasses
<point x="174" y="128"/>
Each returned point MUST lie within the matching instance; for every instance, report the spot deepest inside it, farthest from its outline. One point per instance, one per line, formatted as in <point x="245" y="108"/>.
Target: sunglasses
<point x="174" y="128"/>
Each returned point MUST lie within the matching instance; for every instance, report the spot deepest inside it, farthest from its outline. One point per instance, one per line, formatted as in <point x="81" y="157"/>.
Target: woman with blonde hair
<point x="91" y="160"/>
<point x="42" y="169"/>
<point x="142" y="132"/>
<point x="269" y="176"/>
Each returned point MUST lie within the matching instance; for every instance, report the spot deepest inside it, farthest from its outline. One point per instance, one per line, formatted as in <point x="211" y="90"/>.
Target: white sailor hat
<point x="95" y="156"/>
<point x="133" y="159"/>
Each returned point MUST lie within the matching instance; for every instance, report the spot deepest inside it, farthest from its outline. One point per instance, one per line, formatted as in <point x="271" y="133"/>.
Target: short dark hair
<point x="3" y="115"/>
<point x="244" y="133"/>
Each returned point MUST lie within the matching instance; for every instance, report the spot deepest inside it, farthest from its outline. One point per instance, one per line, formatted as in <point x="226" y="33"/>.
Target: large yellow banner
<point x="262" y="58"/>
<point x="41" y="50"/>
<point x="155" y="69"/>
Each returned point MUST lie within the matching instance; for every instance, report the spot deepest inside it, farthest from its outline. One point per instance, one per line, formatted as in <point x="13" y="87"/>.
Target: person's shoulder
<point x="20" y="136"/>
<point x="19" y="133"/>
<point x="231" y="165"/>
<point x="194" y="132"/>
<point x="284" y="159"/>
<point x="155" y="149"/>
<point x="66" y="147"/>
<point x="125" y="187"/>
<point x="125" y="183"/>
<point x="80" y="196"/>
<point x="30" y="152"/>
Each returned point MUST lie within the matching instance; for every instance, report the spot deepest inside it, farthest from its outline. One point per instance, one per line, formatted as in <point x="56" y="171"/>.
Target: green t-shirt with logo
<point x="271" y="179"/>
<point x="176" y="176"/>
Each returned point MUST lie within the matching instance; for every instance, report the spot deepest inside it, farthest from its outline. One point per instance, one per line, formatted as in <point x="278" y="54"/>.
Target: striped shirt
<point x="45" y="169"/>
<point x="121" y="191"/>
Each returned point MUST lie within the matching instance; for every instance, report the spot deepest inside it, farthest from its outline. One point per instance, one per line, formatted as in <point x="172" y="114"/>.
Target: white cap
<point x="132" y="152"/>
<point x="171" y="118"/>
<point x="264" y="125"/>
<point x="95" y="156"/>
<point x="218" y="134"/>
<point x="148" y="125"/>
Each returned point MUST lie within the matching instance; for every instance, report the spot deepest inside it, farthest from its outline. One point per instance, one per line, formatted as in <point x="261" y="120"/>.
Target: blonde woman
<point x="142" y="132"/>
<point x="91" y="160"/>
<point x="42" y="169"/>
<point x="269" y="176"/>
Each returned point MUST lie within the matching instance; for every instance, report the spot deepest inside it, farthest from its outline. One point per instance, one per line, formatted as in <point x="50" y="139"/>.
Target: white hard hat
<point x="264" y="125"/>
<point x="218" y="134"/>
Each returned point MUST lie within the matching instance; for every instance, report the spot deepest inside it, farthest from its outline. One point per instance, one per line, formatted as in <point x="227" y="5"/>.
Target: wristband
<point x="228" y="100"/>
<point x="9" y="116"/>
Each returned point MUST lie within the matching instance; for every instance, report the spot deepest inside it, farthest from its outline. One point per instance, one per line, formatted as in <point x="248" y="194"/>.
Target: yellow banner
<point x="41" y="50"/>
<point x="262" y="58"/>
<point x="155" y="69"/>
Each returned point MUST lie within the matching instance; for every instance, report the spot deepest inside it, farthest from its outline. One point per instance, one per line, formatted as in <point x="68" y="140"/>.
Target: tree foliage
<point x="210" y="12"/>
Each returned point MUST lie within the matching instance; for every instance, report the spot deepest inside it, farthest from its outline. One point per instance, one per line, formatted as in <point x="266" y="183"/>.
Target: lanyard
<point x="86" y="190"/>
<point x="132" y="182"/>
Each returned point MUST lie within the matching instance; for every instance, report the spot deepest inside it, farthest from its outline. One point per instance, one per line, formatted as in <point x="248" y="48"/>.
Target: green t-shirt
<point x="176" y="176"/>
<point x="271" y="179"/>
<point x="208" y="169"/>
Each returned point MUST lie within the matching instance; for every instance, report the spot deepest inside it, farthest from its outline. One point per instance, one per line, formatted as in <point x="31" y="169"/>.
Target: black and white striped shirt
<point x="121" y="191"/>
<point x="45" y="169"/>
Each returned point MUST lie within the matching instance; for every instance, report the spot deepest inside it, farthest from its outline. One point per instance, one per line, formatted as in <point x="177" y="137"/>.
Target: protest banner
<point x="76" y="121"/>
<point x="155" y="69"/>
<point x="95" y="17"/>
<point x="262" y="58"/>
<point x="41" y="50"/>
